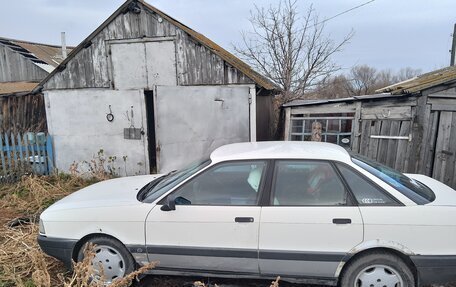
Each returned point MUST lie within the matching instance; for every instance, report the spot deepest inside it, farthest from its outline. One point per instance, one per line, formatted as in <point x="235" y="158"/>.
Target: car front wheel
<point x="112" y="260"/>
<point x="377" y="269"/>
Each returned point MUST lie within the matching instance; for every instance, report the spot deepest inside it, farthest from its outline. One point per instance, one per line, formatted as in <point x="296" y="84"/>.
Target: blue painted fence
<point x="31" y="151"/>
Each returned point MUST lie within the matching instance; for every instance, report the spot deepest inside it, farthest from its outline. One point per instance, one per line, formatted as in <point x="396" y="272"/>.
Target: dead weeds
<point x="22" y="263"/>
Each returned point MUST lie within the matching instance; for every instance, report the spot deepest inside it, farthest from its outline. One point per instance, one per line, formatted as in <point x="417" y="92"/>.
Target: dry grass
<point x="33" y="194"/>
<point x="21" y="261"/>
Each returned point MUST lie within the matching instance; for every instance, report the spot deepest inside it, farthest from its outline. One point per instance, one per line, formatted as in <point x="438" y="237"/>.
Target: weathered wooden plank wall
<point x="196" y="64"/>
<point x="15" y="67"/>
<point x="22" y="113"/>
<point x="429" y="121"/>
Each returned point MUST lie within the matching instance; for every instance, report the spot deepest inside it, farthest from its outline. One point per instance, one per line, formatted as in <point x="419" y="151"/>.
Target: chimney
<point x="64" y="50"/>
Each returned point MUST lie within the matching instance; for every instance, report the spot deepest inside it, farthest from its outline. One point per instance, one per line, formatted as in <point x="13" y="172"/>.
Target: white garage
<point x="152" y="93"/>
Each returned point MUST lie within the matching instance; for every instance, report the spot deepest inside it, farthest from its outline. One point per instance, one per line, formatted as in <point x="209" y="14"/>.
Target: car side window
<point x="234" y="183"/>
<point x="365" y="192"/>
<point x="307" y="183"/>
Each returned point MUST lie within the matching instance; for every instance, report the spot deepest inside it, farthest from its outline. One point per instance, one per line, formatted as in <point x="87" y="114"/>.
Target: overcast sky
<point x="389" y="34"/>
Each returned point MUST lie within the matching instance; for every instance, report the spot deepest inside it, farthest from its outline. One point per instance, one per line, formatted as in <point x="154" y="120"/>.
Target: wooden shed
<point x="153" y="93"/>
<point x="410" y="126"/>
<point x="23" y="65"/>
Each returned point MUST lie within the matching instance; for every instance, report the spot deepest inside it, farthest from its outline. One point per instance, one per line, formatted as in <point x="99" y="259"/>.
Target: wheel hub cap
<point x="108" y="264"/>
<point x="379" y="276"/>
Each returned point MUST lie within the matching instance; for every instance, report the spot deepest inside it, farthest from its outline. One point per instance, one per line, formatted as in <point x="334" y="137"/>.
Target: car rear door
<point x="310" y="224"/>
<point x="214" y="227"/>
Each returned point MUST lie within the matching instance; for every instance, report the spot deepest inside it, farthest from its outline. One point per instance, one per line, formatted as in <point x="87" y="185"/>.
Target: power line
<point x="344" y="12"/>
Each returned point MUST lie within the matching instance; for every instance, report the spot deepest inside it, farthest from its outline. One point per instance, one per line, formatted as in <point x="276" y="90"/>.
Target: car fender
<point x="371" y="244"/>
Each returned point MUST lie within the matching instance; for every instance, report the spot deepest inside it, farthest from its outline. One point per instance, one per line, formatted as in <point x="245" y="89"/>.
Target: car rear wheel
<point x="112" y="260"/>
<point x="377" y="270"/>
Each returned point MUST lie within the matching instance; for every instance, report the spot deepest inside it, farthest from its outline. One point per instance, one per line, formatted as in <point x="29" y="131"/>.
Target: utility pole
<point x="453" y="47"/>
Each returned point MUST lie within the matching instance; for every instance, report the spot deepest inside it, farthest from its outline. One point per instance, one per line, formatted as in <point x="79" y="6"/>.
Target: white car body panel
<point x="208" y="227"/>
<point x="307" y="230"/>
<point x="423" y="230"/>
<point x="445" y="195"/>
<point x="95" y="210"/>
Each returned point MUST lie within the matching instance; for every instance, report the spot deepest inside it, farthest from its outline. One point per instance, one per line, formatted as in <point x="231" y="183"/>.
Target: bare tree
<point x="337" y="86"/>
<point x="290" y="49"/>
<point x="407" y="73"/>
<point x="362" y="80"/>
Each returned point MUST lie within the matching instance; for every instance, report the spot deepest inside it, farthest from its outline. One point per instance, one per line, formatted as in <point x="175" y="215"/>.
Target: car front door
<point x="310" y="224"/>
<point x="214" y="226"/>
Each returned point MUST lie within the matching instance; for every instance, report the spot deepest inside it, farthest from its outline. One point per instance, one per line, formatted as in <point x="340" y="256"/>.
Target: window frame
<point x="324" y="118"/>
<point x="261" y="187"/>
<point x="370" y="181"/>
<point x="351" y="201"/>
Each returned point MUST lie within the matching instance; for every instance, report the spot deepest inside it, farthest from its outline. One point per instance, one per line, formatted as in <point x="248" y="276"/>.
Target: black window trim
<point x="210" y="167"/>
<point x="381" y="189"/>
<point x="350" y="199"/>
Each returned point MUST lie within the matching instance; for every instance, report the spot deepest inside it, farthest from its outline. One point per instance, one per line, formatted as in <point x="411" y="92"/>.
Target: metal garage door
<point x="190" y="122"/>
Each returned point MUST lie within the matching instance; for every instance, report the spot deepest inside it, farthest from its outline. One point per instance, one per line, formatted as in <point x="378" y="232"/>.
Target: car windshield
<point x="413" y="189"/>
<point x="161" y="185"/>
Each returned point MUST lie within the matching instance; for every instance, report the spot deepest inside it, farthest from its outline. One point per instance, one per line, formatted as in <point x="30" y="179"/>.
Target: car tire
<point x="115" y="259"/>
<point x="377" y="269"/>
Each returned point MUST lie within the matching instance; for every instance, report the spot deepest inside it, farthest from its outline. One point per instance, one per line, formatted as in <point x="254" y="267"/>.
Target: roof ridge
<point x="33" y="43"/>
<point x="212" y="46"/>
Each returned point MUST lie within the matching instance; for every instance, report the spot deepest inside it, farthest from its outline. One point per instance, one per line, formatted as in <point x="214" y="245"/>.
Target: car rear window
<point x="413" y="189"/>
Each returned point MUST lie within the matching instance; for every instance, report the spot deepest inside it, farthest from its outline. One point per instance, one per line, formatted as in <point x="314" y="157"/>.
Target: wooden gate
<point x="386" y="141"/>
<point x="445" y="149"/>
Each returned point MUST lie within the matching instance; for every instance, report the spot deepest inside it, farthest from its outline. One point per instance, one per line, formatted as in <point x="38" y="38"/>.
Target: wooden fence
<point x="22" y="113"/>
<point x="29" y="152"/>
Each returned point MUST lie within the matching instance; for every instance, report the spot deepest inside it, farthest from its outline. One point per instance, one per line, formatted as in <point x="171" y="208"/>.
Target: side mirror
<point x="170" y="204"/>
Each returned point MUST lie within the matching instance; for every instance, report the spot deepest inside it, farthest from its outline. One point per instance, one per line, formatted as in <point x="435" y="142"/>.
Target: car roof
<point x="280" y="149"/>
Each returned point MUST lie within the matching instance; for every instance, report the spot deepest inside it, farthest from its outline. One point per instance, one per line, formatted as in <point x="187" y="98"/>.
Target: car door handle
<point x="244" y="219"/>
<point x="342" y="221"/>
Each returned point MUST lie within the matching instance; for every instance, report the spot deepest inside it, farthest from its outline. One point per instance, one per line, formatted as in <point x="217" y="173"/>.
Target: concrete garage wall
<point x="77" y="121"/>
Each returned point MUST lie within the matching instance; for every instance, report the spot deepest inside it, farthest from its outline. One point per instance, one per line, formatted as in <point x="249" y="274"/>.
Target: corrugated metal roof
<point x="36" y="52"/>
<point x="237" y="63"/>
<point x="445" y="76"/>
<point x="16" y="87"/>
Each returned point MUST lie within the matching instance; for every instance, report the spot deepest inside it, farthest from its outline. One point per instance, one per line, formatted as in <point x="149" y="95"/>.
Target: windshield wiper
<point x="144" y="192"/>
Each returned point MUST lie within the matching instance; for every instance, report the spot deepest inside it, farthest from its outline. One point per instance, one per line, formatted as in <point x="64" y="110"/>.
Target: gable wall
<point x="15" y="67"/>
<point x="196" y="64"/>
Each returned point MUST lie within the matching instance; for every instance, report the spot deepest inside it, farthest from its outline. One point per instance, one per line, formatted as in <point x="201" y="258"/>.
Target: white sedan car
<point x="309" y="212"/>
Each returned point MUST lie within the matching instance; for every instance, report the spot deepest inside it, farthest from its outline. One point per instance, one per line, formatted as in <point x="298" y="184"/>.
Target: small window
<point x="307" y="183"/>
<point x="365" y="192"/>
<point x="331" y="127"/>
<point x="235" y="183"/>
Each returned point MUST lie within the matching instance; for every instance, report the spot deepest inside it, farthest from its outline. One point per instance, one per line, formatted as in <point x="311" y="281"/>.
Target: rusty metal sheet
<point x="49" y="54"/>
<point x="16" y="87"/>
